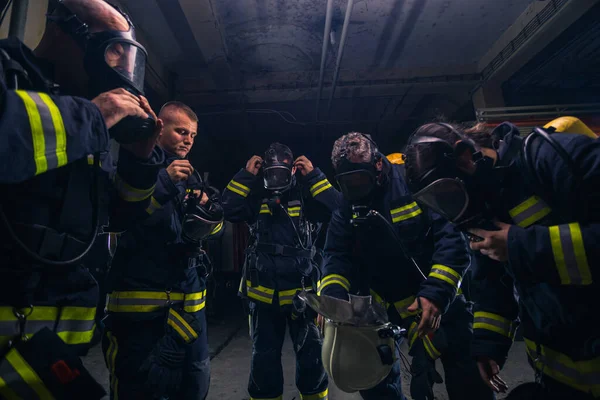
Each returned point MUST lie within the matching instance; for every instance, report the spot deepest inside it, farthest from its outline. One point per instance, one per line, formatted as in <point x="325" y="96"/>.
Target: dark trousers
<point x="267" y="329"/>
<point x="461" y="374"/>
<point x="126" y="345"/>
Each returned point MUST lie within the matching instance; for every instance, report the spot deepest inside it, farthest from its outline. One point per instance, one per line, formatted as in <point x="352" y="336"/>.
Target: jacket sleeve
<point x="496" y="312"/>
<point x="239" y="199"/>
<point x="138" y="191"/>
<point x="565" y="254"/>
<point x="450" y="261"/>
<point x="41" y="132"/>
<point x="322" y="191"/>
<point x="338" y="269"/>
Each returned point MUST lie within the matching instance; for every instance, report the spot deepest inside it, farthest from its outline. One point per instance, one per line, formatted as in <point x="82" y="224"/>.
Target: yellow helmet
<point x="571" y="125"/>
<point x="396" y="158"/>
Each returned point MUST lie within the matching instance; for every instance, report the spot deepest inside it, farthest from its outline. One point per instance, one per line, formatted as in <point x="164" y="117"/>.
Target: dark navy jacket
<point x="313" y="198"/>
<point x="151" y="256"/>
<point x="47" y="141"/>
<point x="367" y="258"/>
<point x="553" y="250"/>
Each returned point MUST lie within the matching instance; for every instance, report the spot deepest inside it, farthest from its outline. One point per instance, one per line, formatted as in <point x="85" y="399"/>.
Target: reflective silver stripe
<point x="140" y="302"/>
<point x="529" y="212"/>
<point x="177" y="321"/>
<point x="402" y="213"/>
<point x="505" y="327"/>
<point x="49" y="132"/>
<point x="14" y="381"/>
<point x="11" y="328"/>
<point x="286" y="299"/>
<point x="191" y="303"/>
<point x="294" y="203"/>
<point x="573" y="375"/>
<point x="240" y="187"/>
<point x="268" y="298"/>
<point x="315" y="189"/>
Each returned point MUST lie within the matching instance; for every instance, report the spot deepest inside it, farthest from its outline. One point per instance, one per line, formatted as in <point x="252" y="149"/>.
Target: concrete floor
<point x="230" y="347"/>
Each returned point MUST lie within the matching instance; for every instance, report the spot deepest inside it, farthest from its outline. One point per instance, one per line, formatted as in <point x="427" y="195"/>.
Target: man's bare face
<point x="177" y="136"/>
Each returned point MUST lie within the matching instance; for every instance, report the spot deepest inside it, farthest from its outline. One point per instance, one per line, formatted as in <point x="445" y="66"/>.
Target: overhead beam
<point x="205" y="27"/>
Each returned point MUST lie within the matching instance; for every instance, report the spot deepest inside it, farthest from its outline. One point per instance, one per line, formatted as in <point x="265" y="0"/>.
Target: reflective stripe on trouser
<point x="126" y="345"/>
<point x="569" y="254"/>
<point x="260" y="293"/>
<point x="268" y="328"/>
<point x="48" y="134"/>
<point x="141" y="301"/>
<point x="74" y="325"/>
<point x="581" y="375"/>
<point x="495" y="323"/>
<point x="19" y="381"/>
<point x="529" y="212"/>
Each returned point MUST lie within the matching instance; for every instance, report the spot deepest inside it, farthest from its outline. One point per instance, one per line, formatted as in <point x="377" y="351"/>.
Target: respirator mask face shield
<point x="112" y="60"/>
<point x="202" y="220"/>
<point x="356" y="181"/>
<point x="277" y="177"/>
<point x="447" y="197"/>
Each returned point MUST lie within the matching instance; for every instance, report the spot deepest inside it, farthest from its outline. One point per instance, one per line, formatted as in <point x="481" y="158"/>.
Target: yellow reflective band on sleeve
<point x="317" y="396"/>
<point x="194" y="302"/>
<point x="405" y="212"/>
<point x="446" y="274"/>
<point x="129" y="193"/>
<point x="294" y="211"/>
<point x="264" y="209"/>
<point x="25" y="375"/>
<point x="334" y="279"/>
<point x="402" y="307"/>
<point x="49" y="137"/>
<point x="431" y="350"/>
<point x="217" y="228"/>
<point x="495" y="323"/>
<point x="581" y="375"/>
<point x="320" y="187"/>
<point x="287" y="296"/>
<point x="412" y="334"/>
<point x="180" y="325"/>
<point x="569" y="254"/>
<point x="110" y="358"/>
<point x="529" y="212"/>
<point x="260" y="293"/>
<point x="153" y="206"/>
<point x="238" y="188"/>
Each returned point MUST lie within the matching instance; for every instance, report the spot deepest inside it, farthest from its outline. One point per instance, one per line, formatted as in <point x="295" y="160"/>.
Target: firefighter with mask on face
<point x="530" y="207"/>
<point x="381" y="243"/>
<point x="155" y="341"/>
<point x="284" y="214"/>
<point x="60" y="187"/>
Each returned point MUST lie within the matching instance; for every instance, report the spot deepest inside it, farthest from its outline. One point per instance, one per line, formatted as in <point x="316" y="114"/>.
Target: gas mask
<point x="441" y="186"/>
<point x="277" y="169"/>
<point x="201" y="220"/>
<point x="356" y="180"/>
<point x="112" y="59"/>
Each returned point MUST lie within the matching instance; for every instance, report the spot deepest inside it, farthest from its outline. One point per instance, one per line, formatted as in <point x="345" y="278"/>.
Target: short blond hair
<point x="184" y="108"/>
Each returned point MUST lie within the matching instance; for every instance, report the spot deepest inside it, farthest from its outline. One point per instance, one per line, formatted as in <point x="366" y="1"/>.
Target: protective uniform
<point x="276" y="268"/>
<point x="157" y="279"/>
<point x="552" y="252"/>
<point x="366" y="258"/>
<point x="50" y="143"/>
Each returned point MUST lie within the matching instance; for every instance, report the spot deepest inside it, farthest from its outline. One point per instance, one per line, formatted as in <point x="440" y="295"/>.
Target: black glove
<point x="164" y="366"/>
<point x="424" y="374"/>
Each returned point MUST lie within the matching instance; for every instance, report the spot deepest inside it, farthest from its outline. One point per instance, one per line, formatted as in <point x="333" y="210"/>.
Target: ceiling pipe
<point x="340" y="54"/>
<point x="328" y="18"/>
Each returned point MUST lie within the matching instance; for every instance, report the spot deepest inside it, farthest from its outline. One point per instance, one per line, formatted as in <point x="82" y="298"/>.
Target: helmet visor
<point x="277" y="177"/>
<point x="356" y="185"/>
<point x="447" y="197"/>
<point x="128" y="59"/>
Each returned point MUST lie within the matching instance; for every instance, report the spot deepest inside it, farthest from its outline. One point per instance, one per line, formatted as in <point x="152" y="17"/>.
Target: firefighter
<point x="381" y="243"/>
<point x="55" y="175"/>
<point x="281" y="207"/>
<point x="530" y="208"/>
<point x="155" y="339"/>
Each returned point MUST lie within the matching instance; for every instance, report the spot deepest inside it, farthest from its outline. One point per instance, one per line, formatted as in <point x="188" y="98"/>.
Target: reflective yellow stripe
<point x="287" y="296"/>
<point x="431" y="350"/>
<point x="264" y="209"/>
<point x="130" y="193"/>
<point x="402" y="305"/>
<point x="28" y="375"/>
<point x="445" y="274"/>
<point x="581" y="375"/>
<point x="412" y="334"/>
<point x="110" y="358"/>
<point x="260" y="293"/>
<point x="529" y="212"/>
<point x="59" y="130"/>
<point x="569" y="254"/>
<point x="405" y="212"/>
<point x="37" y="133"/>
<point x="217" y="229"/>
<point x="319" y="187"/>
<point x="7" y="392"/>
<point x="294" y="211"/>
<point x="140" y="301"/>
<point x="334" y="279"/>
<point x="495" y="323"/>
<point x="379" y="299"/>
<point x="183" y="329"/>
<point x="238" y="188"/>
<point x="153" y="206"/>
<point x="317" y="396"/>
